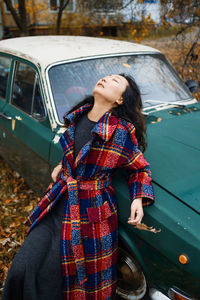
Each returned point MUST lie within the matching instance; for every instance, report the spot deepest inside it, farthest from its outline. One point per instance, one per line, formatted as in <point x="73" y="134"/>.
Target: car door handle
<point x="3" y="115"/>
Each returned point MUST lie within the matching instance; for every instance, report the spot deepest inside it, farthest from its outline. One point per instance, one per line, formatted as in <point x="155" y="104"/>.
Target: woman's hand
<point x="56" y="172"/>
<point x="136" y="212"/>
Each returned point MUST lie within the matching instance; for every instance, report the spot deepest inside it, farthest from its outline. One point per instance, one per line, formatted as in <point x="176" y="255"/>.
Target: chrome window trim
<point x="12" y="79"/>
<point x="168" y="105"/>
<point x="37" y="79"/>
<point x="33" y="95"/>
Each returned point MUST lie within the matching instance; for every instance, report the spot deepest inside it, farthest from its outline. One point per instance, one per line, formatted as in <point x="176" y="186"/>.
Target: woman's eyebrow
<point x="115" y="77"/>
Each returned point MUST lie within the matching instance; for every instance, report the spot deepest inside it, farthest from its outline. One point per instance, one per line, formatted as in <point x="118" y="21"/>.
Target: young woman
<point x="70" y="251"/>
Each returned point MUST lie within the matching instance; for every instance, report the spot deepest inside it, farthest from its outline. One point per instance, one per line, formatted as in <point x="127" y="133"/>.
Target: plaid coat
<point x="89" y="236"/>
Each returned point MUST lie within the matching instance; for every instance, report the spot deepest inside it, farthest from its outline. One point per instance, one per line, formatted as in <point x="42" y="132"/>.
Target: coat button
<point x="86" y="238"/>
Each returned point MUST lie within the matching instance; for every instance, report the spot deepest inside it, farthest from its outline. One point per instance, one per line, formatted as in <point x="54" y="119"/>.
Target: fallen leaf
<point x="29" y="207"/>
<point x="7" y="201"/>
<point x="4" y="241"/>
<point x="143" y="226"/>
<point x="14" y="224"/>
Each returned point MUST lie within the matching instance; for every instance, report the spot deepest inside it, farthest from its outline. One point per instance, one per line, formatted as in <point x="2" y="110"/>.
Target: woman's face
<point x="111" y="88"/>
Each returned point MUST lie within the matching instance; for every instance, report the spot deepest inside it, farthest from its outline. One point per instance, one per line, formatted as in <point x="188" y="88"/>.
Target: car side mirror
<point x="192" y="85"/>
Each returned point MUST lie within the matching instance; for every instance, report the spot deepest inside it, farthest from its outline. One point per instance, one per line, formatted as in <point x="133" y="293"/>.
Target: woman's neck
<point x="97" y="111"/>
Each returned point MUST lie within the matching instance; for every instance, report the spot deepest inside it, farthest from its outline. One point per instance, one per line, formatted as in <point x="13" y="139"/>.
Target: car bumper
<point x="157" y="295"/>
<point x="174" y="294"/>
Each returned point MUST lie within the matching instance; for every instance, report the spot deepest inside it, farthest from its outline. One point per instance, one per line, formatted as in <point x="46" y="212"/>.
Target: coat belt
<point x="72" y="186"/>
<point x="94" y="184"/>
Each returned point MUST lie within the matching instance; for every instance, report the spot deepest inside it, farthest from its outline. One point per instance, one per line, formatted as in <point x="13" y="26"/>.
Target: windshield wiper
<point x="164" y="102"/>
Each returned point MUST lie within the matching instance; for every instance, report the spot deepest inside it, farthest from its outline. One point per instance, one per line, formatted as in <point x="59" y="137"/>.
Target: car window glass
<point x="22" y="93"/>
<point x="38" y="106"/>
<point x="4" y="72"/>
<point x="157" y="80"/>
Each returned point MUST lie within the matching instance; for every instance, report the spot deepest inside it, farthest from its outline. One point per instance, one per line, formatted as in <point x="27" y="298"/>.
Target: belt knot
<point x="84" y="184"/>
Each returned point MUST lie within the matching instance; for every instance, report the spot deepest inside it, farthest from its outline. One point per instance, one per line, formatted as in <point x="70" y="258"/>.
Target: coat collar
<point x="104" y="128"/>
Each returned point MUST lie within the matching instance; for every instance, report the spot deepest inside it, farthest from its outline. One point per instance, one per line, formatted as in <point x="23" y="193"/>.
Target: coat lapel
<point x="67" y="139"/>
<point x="104" y="128"/>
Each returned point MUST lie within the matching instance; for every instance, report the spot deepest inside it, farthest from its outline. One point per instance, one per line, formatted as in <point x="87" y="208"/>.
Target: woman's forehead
<point x="115" y="75"/>
<point x="121" y="78"/>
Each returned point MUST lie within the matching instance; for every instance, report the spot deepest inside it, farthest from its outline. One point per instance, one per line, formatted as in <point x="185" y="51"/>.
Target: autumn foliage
<point x="17" y="200"/>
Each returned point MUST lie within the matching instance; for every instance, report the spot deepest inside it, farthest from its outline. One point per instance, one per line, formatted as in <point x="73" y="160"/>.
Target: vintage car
<point x="42" y="77"/>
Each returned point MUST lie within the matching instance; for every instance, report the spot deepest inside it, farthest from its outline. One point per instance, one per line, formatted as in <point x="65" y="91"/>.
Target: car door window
<point x="22" y="93"/>
<point x="38" y="106"/>
<point x="26" y="93"/>
<point x="4" y="72"/>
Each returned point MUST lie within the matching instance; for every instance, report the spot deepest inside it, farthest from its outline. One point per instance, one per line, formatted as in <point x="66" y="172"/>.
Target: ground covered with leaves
<point x="17" y="200"/>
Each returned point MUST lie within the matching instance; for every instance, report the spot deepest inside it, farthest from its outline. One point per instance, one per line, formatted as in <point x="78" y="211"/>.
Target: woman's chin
<point x="98" y="92"/>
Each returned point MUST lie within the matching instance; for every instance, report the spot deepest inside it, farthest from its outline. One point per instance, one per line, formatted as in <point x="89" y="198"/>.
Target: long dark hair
<point x="130" y="110"/>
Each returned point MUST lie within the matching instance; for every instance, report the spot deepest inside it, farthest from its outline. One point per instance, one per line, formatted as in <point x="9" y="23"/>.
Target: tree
<point x="186" y="14"/>
<point x="24" y="13"/>
<point x="20" y="17"/>
<point x="62" y="5"/>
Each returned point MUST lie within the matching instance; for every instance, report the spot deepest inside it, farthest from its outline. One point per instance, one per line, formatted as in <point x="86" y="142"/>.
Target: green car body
<point x="30" y="143"/>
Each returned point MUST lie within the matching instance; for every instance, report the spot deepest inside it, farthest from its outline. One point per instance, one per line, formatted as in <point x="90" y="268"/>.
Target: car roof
<point x="46" y="50"/>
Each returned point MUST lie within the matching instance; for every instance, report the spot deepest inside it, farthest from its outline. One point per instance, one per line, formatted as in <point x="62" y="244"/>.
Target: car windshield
<point x="157" y="80"/>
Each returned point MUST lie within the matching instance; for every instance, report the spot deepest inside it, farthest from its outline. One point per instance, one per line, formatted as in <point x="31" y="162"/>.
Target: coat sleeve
<point x="139" y="174"/>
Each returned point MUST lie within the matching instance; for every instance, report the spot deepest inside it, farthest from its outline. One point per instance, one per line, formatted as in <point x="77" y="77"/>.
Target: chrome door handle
<point x="3" y="115"/>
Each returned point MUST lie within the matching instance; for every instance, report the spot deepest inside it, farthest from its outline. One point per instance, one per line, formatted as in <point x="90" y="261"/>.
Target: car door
<point x="28" y="131"/>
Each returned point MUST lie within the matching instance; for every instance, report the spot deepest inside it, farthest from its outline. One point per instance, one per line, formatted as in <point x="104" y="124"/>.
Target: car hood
<point x="173" y="151"/>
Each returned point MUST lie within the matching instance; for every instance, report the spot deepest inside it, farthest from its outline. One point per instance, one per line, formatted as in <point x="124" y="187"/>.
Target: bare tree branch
<point x="127" y="4"/>
<point x="65" y="4"/>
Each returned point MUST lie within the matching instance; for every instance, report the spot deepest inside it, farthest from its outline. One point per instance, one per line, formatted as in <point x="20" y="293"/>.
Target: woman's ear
<point x="120" y="101"/>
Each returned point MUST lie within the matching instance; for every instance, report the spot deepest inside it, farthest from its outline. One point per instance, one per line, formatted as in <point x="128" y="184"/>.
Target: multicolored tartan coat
<point x="89" y="236"/>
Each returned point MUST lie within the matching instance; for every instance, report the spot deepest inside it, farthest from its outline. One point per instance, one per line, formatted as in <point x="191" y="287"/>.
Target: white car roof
<point x="46" y="50"/>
